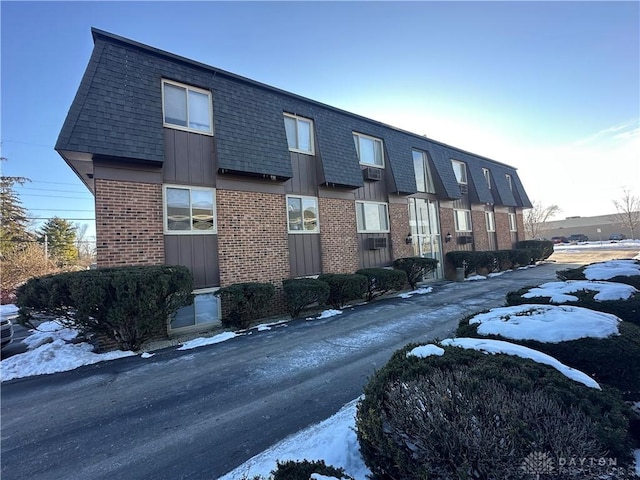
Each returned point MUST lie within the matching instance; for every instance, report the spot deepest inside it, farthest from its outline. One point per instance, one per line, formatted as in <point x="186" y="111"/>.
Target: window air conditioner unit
<point x="465" y="239"/>
<point x="376" y="243"/>
<point x="372" y="174"/>
<point x="464" y="188"/>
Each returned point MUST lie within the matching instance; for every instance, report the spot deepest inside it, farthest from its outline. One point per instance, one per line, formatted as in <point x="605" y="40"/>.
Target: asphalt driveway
<point x="198" y="414"/>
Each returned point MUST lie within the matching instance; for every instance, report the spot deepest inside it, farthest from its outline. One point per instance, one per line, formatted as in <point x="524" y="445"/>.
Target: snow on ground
<point x="328" y="313"/>
<point x="332" y="440"/>
<point x="559" y="291"/>
<point x="598" y="245"/>
<point x="203" y="341"/>
<point x="472" y="278"/>
<point x="419" y="291"/>
<point x="49" y="351"/>
<point x="9" y="309"/>
<point x="498" y="346"/>
<point x="612" y="268"/>
<point x="546" y="323"/>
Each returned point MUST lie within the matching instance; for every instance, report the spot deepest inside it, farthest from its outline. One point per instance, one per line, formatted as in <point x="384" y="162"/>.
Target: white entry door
<point x="425" y="232"/>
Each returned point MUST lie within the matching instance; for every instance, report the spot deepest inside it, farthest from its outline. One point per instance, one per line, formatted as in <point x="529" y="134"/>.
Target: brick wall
<point x="399" y="223"/>
<point x="480" y="236"/>
<point x="252" y="237"/>
<point x="338" y="237"/>
<point x="447" y="225"/>
<point x="502" y="231"/>
<point x="128" y="223"/>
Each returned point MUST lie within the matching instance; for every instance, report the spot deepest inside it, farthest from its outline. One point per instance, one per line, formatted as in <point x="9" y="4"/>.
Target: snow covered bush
<point x="620" y="299"/>
<point x="416" y="268"/>
<point x="463" y="414"/>
<point x="302" y="292"/>
<point x="382" y="280"/>
<point x="594" y="342"/>
<point x="344" y="287"/>
<point x="243" y="303"/>
<point x="127" y="305"/>
<point x="620" y="271"/>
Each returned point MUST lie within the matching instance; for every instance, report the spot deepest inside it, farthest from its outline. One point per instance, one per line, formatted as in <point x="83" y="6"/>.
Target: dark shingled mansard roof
<point x="117" y="113"/>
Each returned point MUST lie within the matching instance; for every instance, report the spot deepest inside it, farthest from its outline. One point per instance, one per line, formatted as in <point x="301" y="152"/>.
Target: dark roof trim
<point x="96" y="33"/>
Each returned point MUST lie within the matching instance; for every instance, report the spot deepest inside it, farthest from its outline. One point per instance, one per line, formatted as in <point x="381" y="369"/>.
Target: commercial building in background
<point x="240" y="181"/>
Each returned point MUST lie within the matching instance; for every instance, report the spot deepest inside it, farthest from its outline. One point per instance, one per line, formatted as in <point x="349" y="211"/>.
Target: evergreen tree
<point x="60" y="237"/>
<point x="13" y="216"/>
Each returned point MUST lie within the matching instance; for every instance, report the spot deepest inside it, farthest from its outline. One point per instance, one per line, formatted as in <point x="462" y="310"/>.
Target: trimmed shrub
<point x="344" y="287"/>
<point x="416" y="268"/>
<point x="612" y="361"/>
<point x="472" y="261"/>
<point x="127" y="305"/>
<point x="520" y="257"/>
<point x="382" y="280"/>
<point x="467" y="415"/>
<point x="503" y="260"/>
<point x="543" y="248"/>
<point x="302" y="470"/>
<point x="245" y="302"/>
<point x="302" y="292"/>
<point x="627" y="310"/>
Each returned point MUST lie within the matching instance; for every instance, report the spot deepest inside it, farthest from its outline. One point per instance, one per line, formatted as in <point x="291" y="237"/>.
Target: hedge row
<point x="527" y="252"/>
<point x="332" y="289"/>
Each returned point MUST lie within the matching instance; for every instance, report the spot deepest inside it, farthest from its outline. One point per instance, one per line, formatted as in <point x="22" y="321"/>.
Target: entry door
<point x="425" y="232"/>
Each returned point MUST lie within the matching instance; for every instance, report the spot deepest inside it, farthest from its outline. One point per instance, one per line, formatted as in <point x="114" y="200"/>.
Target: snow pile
<point x="332" y="440"/>
<point x="327" y="314"/>
<point x="472" y="278"/>
<point x="546" y="323"/>
<point x="424" y="351"/>
<point x="612" y="268"/>
<point x="559" y="291"/>
<point x="203" y="341"/>
<point x="49" y="351"/>
<point x="7" y="310"/>
<point x="498" y="346"/>
<point x="419" y="291"/>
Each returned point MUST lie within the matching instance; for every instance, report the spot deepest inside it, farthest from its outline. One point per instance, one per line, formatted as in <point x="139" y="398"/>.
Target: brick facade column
<point x="338" y="237"/>
<point x="128" y="223"/>
<point x="503" y="234"/>
<point x="252" y="237"/>
<point x="480" y="234"/>
<point x="399" y="225"/>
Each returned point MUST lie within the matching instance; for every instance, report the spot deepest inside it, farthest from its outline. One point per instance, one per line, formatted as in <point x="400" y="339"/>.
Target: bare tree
<point x="628" y="207"/>
<point x="536" y="217"/>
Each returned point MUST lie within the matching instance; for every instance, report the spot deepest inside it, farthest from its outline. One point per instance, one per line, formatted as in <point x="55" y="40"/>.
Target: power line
<point x="50" y="196"/>
<point x="57" y="210"/>
<point x="70" y="219"/>
<point x="52" y="190"/>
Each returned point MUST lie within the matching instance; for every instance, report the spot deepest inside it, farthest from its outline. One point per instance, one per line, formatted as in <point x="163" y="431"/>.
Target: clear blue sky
<point x="552" y="88"/>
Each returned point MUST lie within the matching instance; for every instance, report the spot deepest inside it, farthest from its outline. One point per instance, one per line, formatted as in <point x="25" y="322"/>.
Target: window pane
<point x="199" y="111"/>
<point x="460" y="170"/>
<point x="367" y="151"/>
<point x="418" y="168"/>
<point x="294" y="209"/>
<point x="290" y="128"/>
<point x="206" y="308"/>
<point x="178" y="209"/>
<point x="202" y="209"/>
<point x="384" y="222"/>
<point x="310" y="214"/>
<point x="372" y="217"/>
<point x="175" y="105"/>
<point x="463" y="220"/>
<point x="184" y="317"/>
<point x="360" y="215"/>
<point x="378" y="152"/>
<point x="490" y="221"/>
<point x="304" y="135"/>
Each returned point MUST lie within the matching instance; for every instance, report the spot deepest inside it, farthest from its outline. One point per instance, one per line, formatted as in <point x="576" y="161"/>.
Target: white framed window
<point x="513" y="224"/>
<point x="509" y="181"/>
<point x="205" y="310"/>
<point x="460" y="170"/>
<point x="370" y="151"/>
<point x="187" y="108"/>
<point x="487" y="177"/>
<point x="299" y="133"/>
<point x="189" y="210"/>
<point x="491" y="221"/>
<point x="372" y="217"/>
<point x="463" y="220"/>
<point x="424" y="179"/>
<point x="302" y="214"/>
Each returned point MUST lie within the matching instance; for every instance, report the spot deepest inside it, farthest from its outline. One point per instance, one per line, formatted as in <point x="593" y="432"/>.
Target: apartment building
<point x="241" y="181"/>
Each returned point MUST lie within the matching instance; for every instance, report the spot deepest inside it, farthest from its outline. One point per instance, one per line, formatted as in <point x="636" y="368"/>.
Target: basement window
<point x="204" y="311"/>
